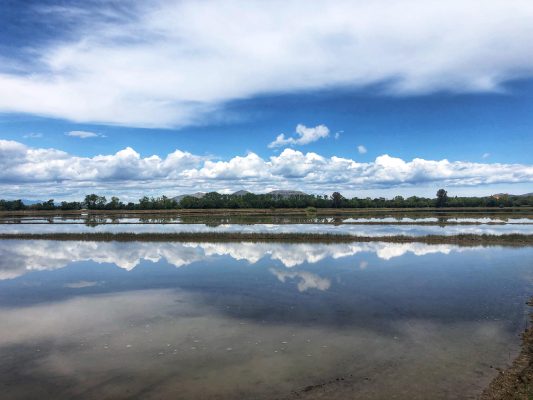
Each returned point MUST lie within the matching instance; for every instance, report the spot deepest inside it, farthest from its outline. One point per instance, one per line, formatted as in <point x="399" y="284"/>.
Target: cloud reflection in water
<point x="20" y="256"/>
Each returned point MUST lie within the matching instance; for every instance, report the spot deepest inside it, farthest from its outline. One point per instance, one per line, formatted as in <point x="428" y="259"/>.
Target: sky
<point x="381" y="98"/>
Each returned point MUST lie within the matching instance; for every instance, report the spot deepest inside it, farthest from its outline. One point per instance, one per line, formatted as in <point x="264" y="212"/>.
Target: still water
<point x="257" y="321"/>
<point x="374" y="217"/>
<point x="373" y="230"/>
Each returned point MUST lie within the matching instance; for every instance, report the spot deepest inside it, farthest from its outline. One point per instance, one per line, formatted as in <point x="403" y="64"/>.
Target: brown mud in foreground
<point x="466" y="240"/>
<point x="516" y="382"/>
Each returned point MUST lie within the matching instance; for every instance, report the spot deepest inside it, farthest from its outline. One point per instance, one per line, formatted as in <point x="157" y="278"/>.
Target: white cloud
<point x="486" y="155"/>
<point x="25" y="164"/>
<point x="83" y="134"/>
<point x="304" y="135"/>
<point x="33" y="135"/>
<point x="250" y="166"/>
<point x="25" y="169"/>
<point x="80" y="284"/>
<point x="361" y="149"/>
<point x="176" y="62"/>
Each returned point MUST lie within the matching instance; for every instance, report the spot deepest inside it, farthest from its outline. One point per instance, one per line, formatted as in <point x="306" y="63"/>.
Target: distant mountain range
<point x="29" y="202"/>
<point x="277" y="193"/>
<point x="498" y="195"/>
<point x="198" y="195"/>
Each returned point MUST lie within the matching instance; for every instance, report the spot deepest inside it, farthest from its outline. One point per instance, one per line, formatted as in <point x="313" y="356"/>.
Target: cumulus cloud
<point x="250" y="166"/>
<point x="23" y="167"/>
<point x="82" y="134"/>
<point x="304" y="135"/>
<point x="361" y="149"/>
<point x="175" y="62"/>
<point x="21" y="164"/>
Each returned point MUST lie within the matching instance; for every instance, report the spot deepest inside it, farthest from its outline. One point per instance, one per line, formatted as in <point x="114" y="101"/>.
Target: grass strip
<point x="462" y="239"/>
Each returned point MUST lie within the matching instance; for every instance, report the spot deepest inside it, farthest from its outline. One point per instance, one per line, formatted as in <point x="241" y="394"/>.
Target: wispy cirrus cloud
<point x="83" y="134"/>
<point x="23" y="167"/>
<point x="304" y="135"/>
<point x="32" y="135"/>
<point x="172" y="63"/>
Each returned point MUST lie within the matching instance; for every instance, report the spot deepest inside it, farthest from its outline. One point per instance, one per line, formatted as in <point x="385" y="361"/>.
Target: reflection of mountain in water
<point x="19" y="257"/>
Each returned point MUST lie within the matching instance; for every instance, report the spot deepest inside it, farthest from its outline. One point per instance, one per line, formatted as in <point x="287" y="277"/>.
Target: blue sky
<point x="81" y="82"/>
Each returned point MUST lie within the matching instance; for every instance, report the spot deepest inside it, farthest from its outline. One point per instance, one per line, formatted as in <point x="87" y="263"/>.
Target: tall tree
<point x="337" y="199"/>
<point x="94" y="202"/>
<point x="442" y="198"/>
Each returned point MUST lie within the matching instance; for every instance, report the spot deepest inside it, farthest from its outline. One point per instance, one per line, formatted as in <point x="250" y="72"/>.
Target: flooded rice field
<point x="370" y="226"/>
<point x="432" y="218"/>
<point x="368" y="230"/>
<point x="93" y="320"/>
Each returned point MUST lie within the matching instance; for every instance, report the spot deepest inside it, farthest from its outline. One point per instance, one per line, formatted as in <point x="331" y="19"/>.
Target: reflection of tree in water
<point x="336" y="221"/>
<point x="95" y="220"/>
<point x="439" y="218"/>
<point x="217" y="220"/>
<point x="158" y="219"/>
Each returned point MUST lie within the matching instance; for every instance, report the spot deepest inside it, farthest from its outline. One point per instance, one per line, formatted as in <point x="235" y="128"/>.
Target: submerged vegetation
<point x="214" y="200"/>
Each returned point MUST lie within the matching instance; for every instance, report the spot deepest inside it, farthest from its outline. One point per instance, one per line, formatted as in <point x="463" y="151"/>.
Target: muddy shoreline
<point x="516" y="382"/>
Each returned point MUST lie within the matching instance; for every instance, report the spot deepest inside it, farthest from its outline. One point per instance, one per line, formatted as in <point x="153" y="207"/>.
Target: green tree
<point x="442" y="198"/>
<point x="114" y="204"/>
<point x="95" y="202"/>
<point x="337" y="199"/>
<point x="73" y="205"/>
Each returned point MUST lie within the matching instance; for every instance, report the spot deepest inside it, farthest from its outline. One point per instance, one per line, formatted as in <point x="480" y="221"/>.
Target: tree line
<point x="215" y="200"/>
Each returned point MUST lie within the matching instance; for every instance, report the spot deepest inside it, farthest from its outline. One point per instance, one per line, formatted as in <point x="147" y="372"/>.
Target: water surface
<point x="95" y="320"/>
<point x="435" y="218"/>
<point x="373" y="230"/>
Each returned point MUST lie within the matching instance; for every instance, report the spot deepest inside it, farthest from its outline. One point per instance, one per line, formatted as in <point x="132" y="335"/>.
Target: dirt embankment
<point x="461" y="240"/>
<point x="515" y="383"/>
